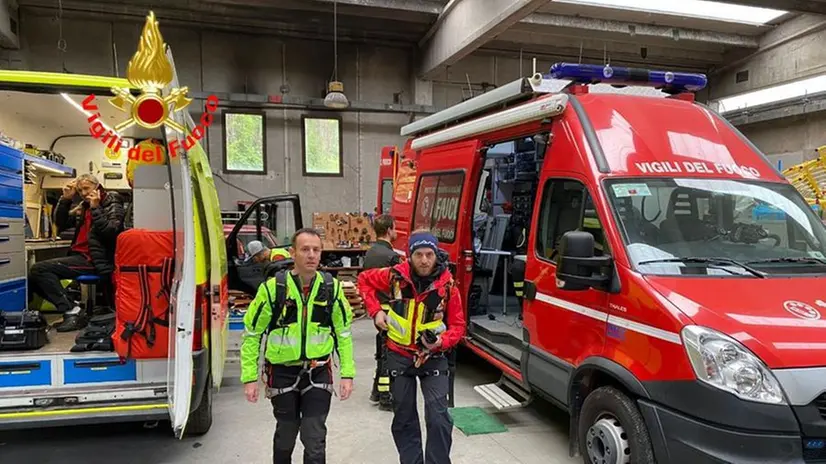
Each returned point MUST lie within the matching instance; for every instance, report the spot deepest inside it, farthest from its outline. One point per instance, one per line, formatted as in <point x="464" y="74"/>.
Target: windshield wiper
<point x="800" y="260"/>
<point x="714" y="263"/>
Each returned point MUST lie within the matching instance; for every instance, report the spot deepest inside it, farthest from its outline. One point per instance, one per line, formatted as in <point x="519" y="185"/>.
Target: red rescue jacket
<point x="375" y="282"/>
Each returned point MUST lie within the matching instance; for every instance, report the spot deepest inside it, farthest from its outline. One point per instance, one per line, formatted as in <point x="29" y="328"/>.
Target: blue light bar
<point x="599" y="74"/>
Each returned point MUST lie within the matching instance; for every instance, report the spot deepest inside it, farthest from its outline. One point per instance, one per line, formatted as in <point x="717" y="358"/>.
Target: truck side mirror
<point x="578" y="268"/>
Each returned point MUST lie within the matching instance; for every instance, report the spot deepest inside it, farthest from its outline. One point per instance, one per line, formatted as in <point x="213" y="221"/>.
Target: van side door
<point x="444" y="196"/>
<point x="564" y="326"/>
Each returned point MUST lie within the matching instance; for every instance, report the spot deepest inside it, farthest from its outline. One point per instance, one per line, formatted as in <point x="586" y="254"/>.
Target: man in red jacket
<point x="421" y="310"/>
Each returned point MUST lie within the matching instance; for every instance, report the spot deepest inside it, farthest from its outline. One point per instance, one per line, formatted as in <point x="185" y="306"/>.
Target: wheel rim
<point x="607" y="442"/>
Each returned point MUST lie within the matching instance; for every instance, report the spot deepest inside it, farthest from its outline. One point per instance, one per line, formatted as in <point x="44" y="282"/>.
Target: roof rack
<point x="519" y="89"/>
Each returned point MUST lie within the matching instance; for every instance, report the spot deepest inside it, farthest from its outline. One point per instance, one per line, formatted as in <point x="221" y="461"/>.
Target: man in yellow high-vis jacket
<point x="306" y="317"/>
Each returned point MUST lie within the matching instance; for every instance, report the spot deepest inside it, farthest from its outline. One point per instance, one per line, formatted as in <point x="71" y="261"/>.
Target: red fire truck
<point x="628" y="255"/>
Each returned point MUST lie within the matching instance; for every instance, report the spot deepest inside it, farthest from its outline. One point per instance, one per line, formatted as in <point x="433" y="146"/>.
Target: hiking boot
<point x="386" y="402"/>
<point x="71" y="322"/>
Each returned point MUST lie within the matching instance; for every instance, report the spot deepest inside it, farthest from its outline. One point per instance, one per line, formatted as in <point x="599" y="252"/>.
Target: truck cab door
<point x="270" y="220"/>
<point x="387" y="172"/>
<point x="445" y="192"/>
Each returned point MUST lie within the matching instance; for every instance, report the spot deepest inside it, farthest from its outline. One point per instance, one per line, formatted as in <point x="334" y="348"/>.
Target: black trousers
<point x="296" y="413"/>
<point x="45" y="277"/>
<point x="406" y="428"/>
<point x="381" y="370"/>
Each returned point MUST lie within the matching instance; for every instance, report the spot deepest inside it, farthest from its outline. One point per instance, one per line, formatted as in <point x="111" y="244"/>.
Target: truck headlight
<point x="723" y="362"/>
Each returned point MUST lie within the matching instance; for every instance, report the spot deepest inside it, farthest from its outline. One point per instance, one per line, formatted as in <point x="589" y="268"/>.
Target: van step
<point x="504" y="395"/>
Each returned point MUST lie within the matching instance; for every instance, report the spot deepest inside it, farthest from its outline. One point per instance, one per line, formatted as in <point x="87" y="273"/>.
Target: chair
<point x="89" y="287"/>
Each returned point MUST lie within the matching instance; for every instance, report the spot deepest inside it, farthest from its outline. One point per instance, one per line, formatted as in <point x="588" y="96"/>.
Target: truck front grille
<point x="820" y="403"/>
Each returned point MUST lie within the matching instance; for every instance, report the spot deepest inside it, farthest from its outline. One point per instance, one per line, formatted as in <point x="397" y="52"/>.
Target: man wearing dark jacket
<point x="97" y="221"/>
<point x="380" y="255"/>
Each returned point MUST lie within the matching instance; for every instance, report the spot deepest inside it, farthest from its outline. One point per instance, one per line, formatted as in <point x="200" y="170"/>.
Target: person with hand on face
<point x="97" y="221"/>
<point x="422" y="298"/>
<point x="306" y="317"/>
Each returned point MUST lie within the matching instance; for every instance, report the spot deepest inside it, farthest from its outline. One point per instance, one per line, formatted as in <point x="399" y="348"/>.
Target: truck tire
<point x="612" y="431"/>
<point x="200" y="421"/>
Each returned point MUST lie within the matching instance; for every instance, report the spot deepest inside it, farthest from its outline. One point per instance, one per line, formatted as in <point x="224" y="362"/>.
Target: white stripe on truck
<point x="611" y="319"/>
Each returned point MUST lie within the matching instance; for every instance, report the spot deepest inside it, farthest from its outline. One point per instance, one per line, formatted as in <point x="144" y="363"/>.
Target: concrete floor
<point x="242" y="432"/>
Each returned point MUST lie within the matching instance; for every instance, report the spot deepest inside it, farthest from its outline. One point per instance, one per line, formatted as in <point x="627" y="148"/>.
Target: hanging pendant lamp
<point x="335" y="90"/>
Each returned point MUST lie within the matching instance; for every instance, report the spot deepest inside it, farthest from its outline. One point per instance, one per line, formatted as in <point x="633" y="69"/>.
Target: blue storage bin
<point x="236" y="323"/>
<point x="25" y="373"/>
<point x="98" y="370"/>
<point x="13" y="295"/>
<point x="766" y="212"/>
<point x="9" y="179"/>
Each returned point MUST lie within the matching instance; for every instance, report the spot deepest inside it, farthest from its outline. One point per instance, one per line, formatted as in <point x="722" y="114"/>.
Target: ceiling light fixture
<point x="335" y="98"/>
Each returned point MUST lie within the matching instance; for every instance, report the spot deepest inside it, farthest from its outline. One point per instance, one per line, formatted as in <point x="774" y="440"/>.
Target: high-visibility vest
<point x="407" y="319"/>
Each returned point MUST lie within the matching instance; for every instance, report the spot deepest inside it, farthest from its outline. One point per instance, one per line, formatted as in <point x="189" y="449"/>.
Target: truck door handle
<point x="530" y="290"/>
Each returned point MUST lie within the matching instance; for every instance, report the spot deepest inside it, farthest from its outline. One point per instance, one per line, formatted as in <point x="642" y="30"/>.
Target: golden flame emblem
<point x="150" y="70"/>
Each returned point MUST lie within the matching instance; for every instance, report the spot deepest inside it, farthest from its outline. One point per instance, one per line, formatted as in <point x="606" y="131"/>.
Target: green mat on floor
<point x="475" y="421"/>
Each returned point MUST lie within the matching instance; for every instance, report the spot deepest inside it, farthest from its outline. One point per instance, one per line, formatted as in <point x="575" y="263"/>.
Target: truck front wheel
<point x="612" y="431"/>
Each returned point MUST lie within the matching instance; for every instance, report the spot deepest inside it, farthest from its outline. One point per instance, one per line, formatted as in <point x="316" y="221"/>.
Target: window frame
<point x="304" y="172"/>
<point x="225" y="166"/>
<point x="389" y="200"/>
<point x="586" y="191"/>
<point x="463" y="173"/>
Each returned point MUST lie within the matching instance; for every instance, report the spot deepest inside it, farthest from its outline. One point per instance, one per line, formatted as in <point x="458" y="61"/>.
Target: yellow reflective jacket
<point x="300" y="329"/>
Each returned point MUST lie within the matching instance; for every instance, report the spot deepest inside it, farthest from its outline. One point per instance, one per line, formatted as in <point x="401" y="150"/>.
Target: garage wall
<point x="220" y="62"/>
<point x="789" y="140"/>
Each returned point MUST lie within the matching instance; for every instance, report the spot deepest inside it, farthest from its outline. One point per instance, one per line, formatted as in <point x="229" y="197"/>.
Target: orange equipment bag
<point x="143" y="270"/>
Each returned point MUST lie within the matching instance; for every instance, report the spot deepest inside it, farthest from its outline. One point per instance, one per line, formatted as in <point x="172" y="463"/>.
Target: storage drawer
<point x="236" y="323"/>
<point x="11" y="243"/>
<point x="11" y="195"/>
<point x="25" y="373"/>
<point x="13" y="295"/>
<point x="8" y="179"/>
<point x="12" y="265"/>
<point x="11" y="159"/>
<point x="98" y="370"/>
<point x="12" y="227"/>
<point x="10" y="211"/>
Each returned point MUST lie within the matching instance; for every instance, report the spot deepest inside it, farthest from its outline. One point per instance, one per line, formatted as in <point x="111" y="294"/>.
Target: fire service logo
<point x="150" y="71"/>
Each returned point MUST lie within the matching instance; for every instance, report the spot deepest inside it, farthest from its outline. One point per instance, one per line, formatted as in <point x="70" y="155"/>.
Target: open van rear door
<point x="182" y="300"/>
<point x="445" y="192"/>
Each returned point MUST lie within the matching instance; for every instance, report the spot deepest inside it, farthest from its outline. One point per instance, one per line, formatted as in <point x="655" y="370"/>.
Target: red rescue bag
<point x="143" y="271"/>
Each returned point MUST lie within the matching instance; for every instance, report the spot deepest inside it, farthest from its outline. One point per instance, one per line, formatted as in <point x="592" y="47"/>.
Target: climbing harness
<point x="306" y="369"/>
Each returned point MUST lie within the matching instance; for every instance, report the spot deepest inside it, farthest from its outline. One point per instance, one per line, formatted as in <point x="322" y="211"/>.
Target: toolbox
<point x="25" y="330"/>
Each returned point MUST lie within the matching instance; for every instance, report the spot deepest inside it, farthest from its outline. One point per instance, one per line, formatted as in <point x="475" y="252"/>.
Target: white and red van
<point x="625" y="253"/>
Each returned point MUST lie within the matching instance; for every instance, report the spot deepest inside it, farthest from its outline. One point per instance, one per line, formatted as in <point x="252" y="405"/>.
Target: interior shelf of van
<point x="50" y="166"/>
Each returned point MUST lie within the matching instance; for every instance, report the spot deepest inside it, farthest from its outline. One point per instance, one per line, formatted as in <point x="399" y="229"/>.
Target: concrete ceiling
<point x="446" y="31"/>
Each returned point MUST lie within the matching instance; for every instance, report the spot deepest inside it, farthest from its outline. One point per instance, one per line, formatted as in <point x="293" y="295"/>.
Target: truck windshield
<point x="717" y="227"/>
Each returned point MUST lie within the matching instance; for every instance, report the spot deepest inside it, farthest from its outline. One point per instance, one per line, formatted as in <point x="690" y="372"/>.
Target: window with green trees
<point x="244" y="142"/>
<point x="322" y="146"/>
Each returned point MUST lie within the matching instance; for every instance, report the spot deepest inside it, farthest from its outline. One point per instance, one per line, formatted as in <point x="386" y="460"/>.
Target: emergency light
<point x="607" y="74"/>
<point x="535" y="110"/>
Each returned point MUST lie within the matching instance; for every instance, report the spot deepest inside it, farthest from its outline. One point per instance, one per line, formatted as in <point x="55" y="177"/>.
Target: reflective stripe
<point x="283" y="340"/>
<point x="518" y="284"/>
<point x="318" y="339"/>
<point x="344" y="334"/>
<point x="611" y="319"/>
<point x="383" y="388"/>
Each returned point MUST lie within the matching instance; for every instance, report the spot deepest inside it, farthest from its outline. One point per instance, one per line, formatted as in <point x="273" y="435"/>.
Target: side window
<point x="386" y="195"/>
<point x="562" y="211"/>
<point x="437" y="204"/>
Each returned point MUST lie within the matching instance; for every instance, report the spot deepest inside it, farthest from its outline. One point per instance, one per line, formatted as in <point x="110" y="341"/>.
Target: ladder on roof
<point x="508" y="94"/>
<point x="809" y="178"/>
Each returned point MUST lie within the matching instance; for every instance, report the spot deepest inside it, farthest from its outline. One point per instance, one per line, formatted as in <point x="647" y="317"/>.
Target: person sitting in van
<point x="97" y="220"/>
<point x="258" y="253"/>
